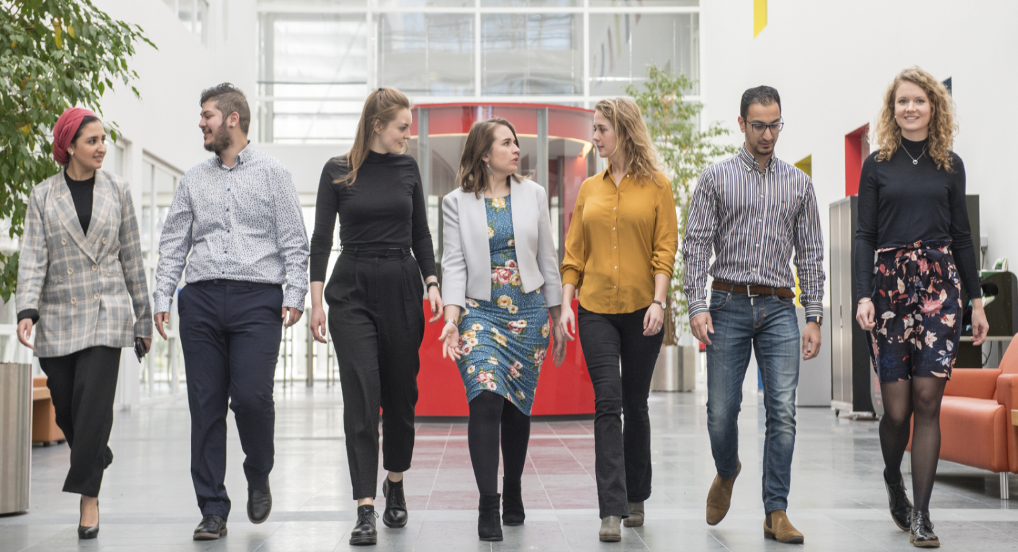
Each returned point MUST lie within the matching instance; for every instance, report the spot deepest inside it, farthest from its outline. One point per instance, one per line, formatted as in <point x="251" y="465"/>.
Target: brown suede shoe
<point x="777" y="527"/>
<point x="719" y="498"/>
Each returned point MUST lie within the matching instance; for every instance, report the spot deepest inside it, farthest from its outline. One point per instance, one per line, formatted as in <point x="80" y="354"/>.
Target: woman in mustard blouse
<point x="622" y="242"/>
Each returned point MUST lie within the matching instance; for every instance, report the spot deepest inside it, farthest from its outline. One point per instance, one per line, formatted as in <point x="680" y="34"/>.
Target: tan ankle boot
<point x="611" y="530"/>
<point x="635" y="518"/>
<point x="777" y="527"/>
<point x="719" y="499"/>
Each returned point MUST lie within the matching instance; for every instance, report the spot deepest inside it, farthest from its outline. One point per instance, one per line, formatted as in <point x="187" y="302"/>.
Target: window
<point x="623" y="45"/>
<point x="427" y="53"/>
<point x="193" y="14"/>
<point x="532" y="54"/>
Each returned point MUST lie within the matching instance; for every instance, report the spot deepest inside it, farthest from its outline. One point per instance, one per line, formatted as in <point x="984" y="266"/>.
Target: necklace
<point x="915" y="160"/>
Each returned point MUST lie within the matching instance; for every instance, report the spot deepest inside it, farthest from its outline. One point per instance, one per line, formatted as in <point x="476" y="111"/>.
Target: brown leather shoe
<point x="719" y="498"/>
<point x="777" y="527"/>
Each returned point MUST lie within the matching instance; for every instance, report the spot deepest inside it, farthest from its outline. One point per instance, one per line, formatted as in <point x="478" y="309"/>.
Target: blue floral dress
<point x="504" y="340"/>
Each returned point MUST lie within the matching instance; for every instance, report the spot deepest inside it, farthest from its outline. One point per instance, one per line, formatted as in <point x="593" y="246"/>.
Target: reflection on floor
<point x="837" y="496"/>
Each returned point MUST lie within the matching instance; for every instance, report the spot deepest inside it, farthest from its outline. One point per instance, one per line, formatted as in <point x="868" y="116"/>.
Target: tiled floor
<point x="837" y="497"/>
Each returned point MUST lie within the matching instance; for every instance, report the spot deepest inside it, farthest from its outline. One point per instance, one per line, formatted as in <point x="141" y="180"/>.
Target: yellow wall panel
<point x="759" y="16"/>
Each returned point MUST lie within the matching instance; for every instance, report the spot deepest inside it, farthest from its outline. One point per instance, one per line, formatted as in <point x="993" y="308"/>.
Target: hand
<point x="435" y="298"/>
<point x="567" y="323"/>
<point x="864" y="315"/>
<point x="25" y="332"/>
<point x="450" y="339"/>
<point x="294" y="316"/>
<point x="147" y="342"/>
<point x="161" y="318"/>
<point x="654" y="320"/>
<point x="558" y="354"/>
<point x="318" y="323"/>
<point x="811" y="341"/>
<point x="980" y="327"/>
<point x="701" y="325"/>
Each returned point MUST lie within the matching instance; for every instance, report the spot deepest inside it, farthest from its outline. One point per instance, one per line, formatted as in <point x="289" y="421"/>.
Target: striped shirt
<point x="752" y="219"/>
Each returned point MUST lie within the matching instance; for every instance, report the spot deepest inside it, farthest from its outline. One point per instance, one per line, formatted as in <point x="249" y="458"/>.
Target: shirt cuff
<point x="571" y="276"/>
<point x="814" y="309"/>
<point x="294" y="299"/>
<point x="697" y="308"/>
<point x="161" y="304"/>
<point x="29" y="313"/>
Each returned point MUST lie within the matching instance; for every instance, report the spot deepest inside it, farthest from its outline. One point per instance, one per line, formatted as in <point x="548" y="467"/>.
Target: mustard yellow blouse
<point x="619" y="238"/>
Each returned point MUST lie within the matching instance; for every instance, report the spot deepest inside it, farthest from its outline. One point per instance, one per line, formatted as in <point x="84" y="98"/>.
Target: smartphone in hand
<point x="139" y="348"/>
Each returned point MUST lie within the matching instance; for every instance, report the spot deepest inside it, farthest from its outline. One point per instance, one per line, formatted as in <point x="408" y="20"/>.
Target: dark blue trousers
<point x="230" y="332"/>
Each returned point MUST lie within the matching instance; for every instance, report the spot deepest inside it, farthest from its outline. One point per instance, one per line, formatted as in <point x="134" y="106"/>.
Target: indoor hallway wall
<point x="832" y="61"/>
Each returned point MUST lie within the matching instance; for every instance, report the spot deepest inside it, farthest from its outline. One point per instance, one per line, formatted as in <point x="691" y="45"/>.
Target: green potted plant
<point x="685" y="152"/>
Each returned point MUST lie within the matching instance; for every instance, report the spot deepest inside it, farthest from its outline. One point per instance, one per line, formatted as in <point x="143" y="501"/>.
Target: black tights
<point x="487" y="412"/>
<point x="919" y="396"/>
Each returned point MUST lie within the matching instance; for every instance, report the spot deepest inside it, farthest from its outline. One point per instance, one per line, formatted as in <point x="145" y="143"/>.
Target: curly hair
<point x="632" y="135"/>
<point x="887" y="134"/>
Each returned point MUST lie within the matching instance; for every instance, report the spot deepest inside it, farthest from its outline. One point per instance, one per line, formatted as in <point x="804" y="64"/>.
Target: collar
<point x="242" y="156"/>
<point x="751" y="163"/>
<point x="607" y="174"/>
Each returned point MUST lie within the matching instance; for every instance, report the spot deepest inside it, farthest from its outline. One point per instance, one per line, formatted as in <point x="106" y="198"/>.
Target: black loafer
<point x="210" y="528"/>
<point x="395" y="515"/>
<point x="922" y="531"/>
<point x="259" y="503"/>
<point x="899" y="504"/>
<point x="85" y="533"/>
<point x="364" y="532"/>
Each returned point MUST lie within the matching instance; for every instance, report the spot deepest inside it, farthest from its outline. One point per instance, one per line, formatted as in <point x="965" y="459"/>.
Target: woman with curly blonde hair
<point x="913" y="220"/>
<point x="622" y="241"/>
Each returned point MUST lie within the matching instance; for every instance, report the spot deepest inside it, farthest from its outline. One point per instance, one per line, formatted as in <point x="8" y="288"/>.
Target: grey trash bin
<point x="15" y="436"/>
<point x="675" y="369"/>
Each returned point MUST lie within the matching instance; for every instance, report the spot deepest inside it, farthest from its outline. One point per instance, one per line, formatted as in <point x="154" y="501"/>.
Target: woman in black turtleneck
<point x="913" y="221"/>
<point x="374" y="297"/>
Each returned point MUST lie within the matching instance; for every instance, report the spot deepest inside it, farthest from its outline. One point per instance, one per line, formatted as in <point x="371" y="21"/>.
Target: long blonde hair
<point x="473" y="173"/>
<point x="382" y="105"/>
<point x="887" y="134"/>
<point x="632" y="136"/>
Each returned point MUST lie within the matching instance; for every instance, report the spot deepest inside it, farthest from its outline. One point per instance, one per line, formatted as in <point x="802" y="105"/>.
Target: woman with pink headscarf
<point x="79" y="279"/>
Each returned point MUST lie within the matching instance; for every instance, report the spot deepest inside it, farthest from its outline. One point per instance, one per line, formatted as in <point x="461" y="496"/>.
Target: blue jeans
<point x="766" y="324"/>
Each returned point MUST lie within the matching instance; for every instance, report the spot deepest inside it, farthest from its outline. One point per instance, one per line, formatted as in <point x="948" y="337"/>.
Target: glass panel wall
<point x="429" y="54"/>
<point x="532" y="54"/>
<point x="623" y="45"/>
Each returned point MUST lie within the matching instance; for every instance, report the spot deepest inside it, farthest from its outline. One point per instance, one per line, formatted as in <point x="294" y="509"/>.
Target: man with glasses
<point x="752" y="210"/>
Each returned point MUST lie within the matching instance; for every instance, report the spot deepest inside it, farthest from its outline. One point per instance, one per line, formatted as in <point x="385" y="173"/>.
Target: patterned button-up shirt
<point x="241" y="223"/>
<point x="753" y="217"/>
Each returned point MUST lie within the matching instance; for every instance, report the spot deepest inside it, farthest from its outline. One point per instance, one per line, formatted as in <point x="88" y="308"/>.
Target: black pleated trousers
<point x="230" y="333"/>
<point x="377" y="325"/>
<point x="83" y="385"/>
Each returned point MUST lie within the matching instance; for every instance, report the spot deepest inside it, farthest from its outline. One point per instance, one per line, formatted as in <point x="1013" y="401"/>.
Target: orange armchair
<point x="976" y="418"/>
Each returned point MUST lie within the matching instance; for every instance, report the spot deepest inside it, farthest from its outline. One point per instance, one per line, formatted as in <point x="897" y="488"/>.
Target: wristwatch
<point x="660" y="303"/>
<point x="815" y="318"/>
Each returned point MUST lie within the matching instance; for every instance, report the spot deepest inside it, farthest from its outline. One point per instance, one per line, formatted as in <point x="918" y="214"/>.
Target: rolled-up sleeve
<point x="575" y="256"/>
<point x="666" y="232"/>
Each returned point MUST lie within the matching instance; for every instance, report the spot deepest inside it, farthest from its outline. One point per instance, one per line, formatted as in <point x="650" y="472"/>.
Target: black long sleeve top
<point x="383" y="208"/>
<point x="901" y="203"/>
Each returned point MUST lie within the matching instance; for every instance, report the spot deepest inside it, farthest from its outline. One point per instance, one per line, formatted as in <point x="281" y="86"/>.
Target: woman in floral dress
<point x="500" y="280"/>
<point x="913" y="219"/>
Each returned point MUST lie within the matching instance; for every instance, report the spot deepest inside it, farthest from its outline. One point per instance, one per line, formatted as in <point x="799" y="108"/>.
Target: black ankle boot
<point x="364" y="532"/>
<point x="900" y="505"/>
<point x="489" y="528"/>
<point x="395" y="504"/>
<point x="512" y="502"/>
<point x="922" y="531"/>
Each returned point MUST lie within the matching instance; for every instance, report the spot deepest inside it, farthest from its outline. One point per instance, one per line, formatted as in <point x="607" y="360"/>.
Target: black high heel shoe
<point x="85" y="533"/>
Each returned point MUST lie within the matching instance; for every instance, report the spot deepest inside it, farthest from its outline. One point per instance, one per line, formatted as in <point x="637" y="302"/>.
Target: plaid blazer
<point x="84" y="286"/>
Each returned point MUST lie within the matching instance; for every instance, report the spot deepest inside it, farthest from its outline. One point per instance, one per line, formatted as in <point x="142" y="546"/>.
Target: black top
<point x="901" y="203"/>
<point x="81" y="193"/>
<point x="383" y="208"/>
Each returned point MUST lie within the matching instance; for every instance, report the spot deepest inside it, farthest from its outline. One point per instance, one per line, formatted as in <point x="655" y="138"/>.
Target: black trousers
<point x="230" y="332"/>
<point x="377" y="325"/>
<point x="82" y="386"/>
<point x="621" y="455"/>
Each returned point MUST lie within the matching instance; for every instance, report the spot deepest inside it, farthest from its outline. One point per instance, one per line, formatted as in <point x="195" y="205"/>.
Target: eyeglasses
<point x="759" y="128"/>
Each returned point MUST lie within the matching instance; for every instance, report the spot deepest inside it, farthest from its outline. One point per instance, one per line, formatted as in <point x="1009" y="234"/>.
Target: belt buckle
<point x="750" y="293"/>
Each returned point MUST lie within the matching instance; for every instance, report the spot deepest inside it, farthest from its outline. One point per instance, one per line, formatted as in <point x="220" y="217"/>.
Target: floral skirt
<point x="918" y="311"/>
<point x="504" y="344"/>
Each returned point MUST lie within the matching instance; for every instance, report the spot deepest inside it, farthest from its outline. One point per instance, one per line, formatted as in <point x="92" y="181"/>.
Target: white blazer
<point x="466" y="261"/>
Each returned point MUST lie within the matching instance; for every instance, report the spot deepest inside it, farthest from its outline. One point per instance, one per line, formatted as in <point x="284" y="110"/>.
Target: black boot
<point x="395" y="504"/>
<point x="489" y="527"/>
<point x="512" y="502"/>
<point x="900" y="505"/>
<point x="922" y="531"/>
<point x="364" y="532"/>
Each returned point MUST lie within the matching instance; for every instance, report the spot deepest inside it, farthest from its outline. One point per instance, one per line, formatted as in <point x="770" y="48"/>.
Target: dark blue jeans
<point x="767" y="325"/>
<point x="230" y="333"/>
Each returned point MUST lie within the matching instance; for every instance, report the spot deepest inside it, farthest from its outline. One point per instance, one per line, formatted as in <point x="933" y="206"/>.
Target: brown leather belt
<point x="753" y="290"/>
